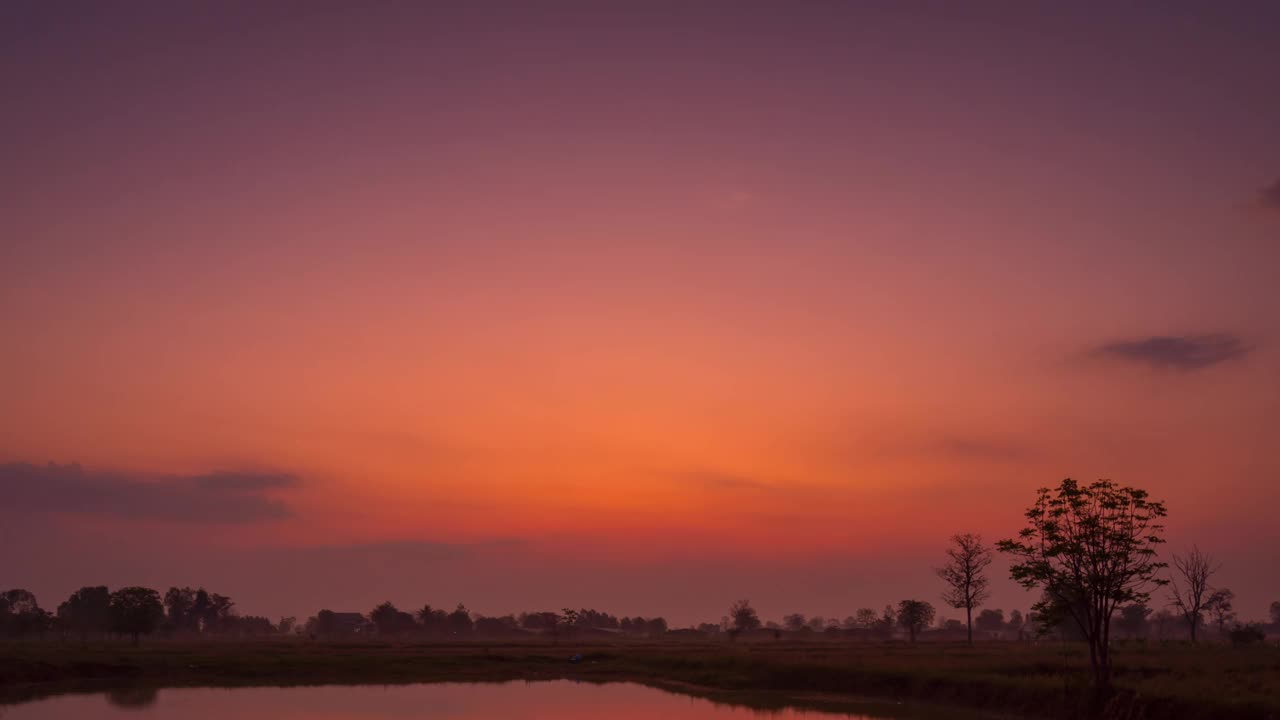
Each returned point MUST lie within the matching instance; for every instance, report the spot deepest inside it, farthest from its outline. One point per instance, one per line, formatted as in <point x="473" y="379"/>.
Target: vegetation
<point x="1155" y="681"/>
<point x="965" y="574"/>
<point x="1191" y="588"/>
<point x="1090" y="548"/>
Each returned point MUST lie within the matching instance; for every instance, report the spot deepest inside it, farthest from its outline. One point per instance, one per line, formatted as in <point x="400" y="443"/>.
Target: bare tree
<point x="965" y="573"/>
<point x="1190" y="588"/>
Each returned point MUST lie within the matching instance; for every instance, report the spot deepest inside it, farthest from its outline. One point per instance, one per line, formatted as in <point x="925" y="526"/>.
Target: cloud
<point x="220" y="497"/>
<point x="1185" y="353"/>
<point x="1269" y="197"/>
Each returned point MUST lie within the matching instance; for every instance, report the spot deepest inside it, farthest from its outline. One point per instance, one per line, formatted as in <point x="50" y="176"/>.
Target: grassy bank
<point x="1156" y="682"/>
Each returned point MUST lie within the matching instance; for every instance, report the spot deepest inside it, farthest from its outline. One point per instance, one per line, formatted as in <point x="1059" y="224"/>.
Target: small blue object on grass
<point x="577" y="658"/>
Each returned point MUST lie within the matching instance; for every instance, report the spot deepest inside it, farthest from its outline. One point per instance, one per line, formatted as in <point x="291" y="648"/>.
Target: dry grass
<point x="1158" y="681"/>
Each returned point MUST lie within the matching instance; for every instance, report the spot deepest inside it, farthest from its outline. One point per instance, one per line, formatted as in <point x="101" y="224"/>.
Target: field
<point x="1157" y="681"/>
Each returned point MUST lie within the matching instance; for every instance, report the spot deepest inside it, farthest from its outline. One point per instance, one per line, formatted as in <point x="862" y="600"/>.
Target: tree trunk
<point x="968" y="611"/>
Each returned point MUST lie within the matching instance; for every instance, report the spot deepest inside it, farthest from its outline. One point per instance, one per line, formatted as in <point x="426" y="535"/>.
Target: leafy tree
<point x="432" y="619"/>
<point x="286" y="625"/>
<point x="21" y="615"/>
<point x="1219" y="607"/>
<point x="390" y="620"/>
<point x="743" y="617"/>
<point x="991" y="621"/>
<point x="180" y="605"/>
<point x="817" y="623"/>
<point x="1016" y="622"/>
<point x="866" y="618"/>
<point x="1133" y="619"/>
<point x="136" y="611"/>
<point x="570" y="619"/>
<point x="795" y="622"/>
<point x="88" y="610"/>
<point x="965" y="573"/>
<point x="1190" y="590"/>
<point x="887" y="622"/>
<point x="1091" y="548"/>
<point x="1275" y="613"/>
<point x="915" y="616"/>
<point x="460" y="621"/>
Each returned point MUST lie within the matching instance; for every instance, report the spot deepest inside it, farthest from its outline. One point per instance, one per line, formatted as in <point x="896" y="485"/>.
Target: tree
<point x="286" y="625"/>
<point x="88" y="610"/>
<point x="795" y="622"/>
<point x="990" y="621"/>
<point x="1219" y="607"/>
<point x="915" y="616"/>
<point x="21" y="615"/>
<point x="1091" y="548"/>
<point x="136" y="611"/>
<point x="1275" y="613"/>
<point x="390" y="620"/>
<point x="460" y="621"/>
<point x="965" y="573"/>
<point x="431" y="619"/>
<point x="1191" y="589"/>
<point x="1133" y="620"/>
<point x="742" y="618"/>
<point x="888" y="620"/>
<point x="180" y="605"/>
<point x="1016" y="622"/>
<point x="866" y="618"/>
<point x="570" y="619"/>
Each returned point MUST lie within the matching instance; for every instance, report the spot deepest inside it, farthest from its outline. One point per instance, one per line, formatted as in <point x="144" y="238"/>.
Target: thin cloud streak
<point x="237" y="497"/>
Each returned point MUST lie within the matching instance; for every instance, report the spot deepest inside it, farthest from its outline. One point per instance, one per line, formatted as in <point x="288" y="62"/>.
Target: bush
<point x="1250" y="634"/>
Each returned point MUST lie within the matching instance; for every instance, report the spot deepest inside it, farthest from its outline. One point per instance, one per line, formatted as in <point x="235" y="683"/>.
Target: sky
<point x="642" y="306"/>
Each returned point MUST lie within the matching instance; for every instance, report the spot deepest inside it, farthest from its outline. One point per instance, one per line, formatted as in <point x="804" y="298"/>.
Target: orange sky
<point x="767" y="307"/>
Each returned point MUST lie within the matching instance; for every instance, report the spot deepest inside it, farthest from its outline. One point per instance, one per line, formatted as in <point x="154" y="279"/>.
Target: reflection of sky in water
<point x="561" y="700"/>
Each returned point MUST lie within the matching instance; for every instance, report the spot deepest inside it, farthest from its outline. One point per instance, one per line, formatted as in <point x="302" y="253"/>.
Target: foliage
<point x="915" y="616"/>
<point x="743" y="617"/>
<point x="88" y="610"/>
<point x="136" y="611"/>
<point x="1090" y="548"/>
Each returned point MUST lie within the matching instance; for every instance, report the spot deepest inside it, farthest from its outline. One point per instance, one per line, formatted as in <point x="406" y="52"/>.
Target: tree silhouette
<point x="1091" y="548"/>
<point x="965" y="573"/>
<point x="1133" y="619"/>
<point x="742" y="618"/>
<point x="136" y="611"/>
<point x="1190" y="590"/>
<point x="988" y="621"/>
<point x="88" y="610"/>
<point x="915" y="616"/>
<point x="1219" y="607"/>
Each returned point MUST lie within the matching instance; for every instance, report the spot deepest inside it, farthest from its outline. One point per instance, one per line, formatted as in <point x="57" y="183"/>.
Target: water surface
<point x="558" y="700"/>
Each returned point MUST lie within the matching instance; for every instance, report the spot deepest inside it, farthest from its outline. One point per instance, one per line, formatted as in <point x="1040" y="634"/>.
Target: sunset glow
<point x="645" y="310"/>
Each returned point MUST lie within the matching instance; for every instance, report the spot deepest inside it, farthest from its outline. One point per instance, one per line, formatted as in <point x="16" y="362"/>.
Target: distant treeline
<point x="186" y="612"/>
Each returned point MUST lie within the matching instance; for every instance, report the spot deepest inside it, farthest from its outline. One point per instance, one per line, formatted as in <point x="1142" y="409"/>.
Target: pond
<point x="558" y="700"/>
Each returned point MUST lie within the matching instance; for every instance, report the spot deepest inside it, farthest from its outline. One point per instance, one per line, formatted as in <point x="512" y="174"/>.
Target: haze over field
<point x="643" y="309"/>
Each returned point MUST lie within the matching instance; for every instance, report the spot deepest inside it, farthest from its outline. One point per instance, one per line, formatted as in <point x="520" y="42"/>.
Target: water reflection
<point x="561" y="700"/>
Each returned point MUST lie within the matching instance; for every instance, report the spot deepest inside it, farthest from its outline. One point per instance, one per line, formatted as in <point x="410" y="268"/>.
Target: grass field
<point x="1174" y="681"/>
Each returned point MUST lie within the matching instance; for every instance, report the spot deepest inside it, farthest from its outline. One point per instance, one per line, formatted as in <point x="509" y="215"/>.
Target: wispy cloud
<point x="220" y="497"/>
<point x="1184" y="353"/>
